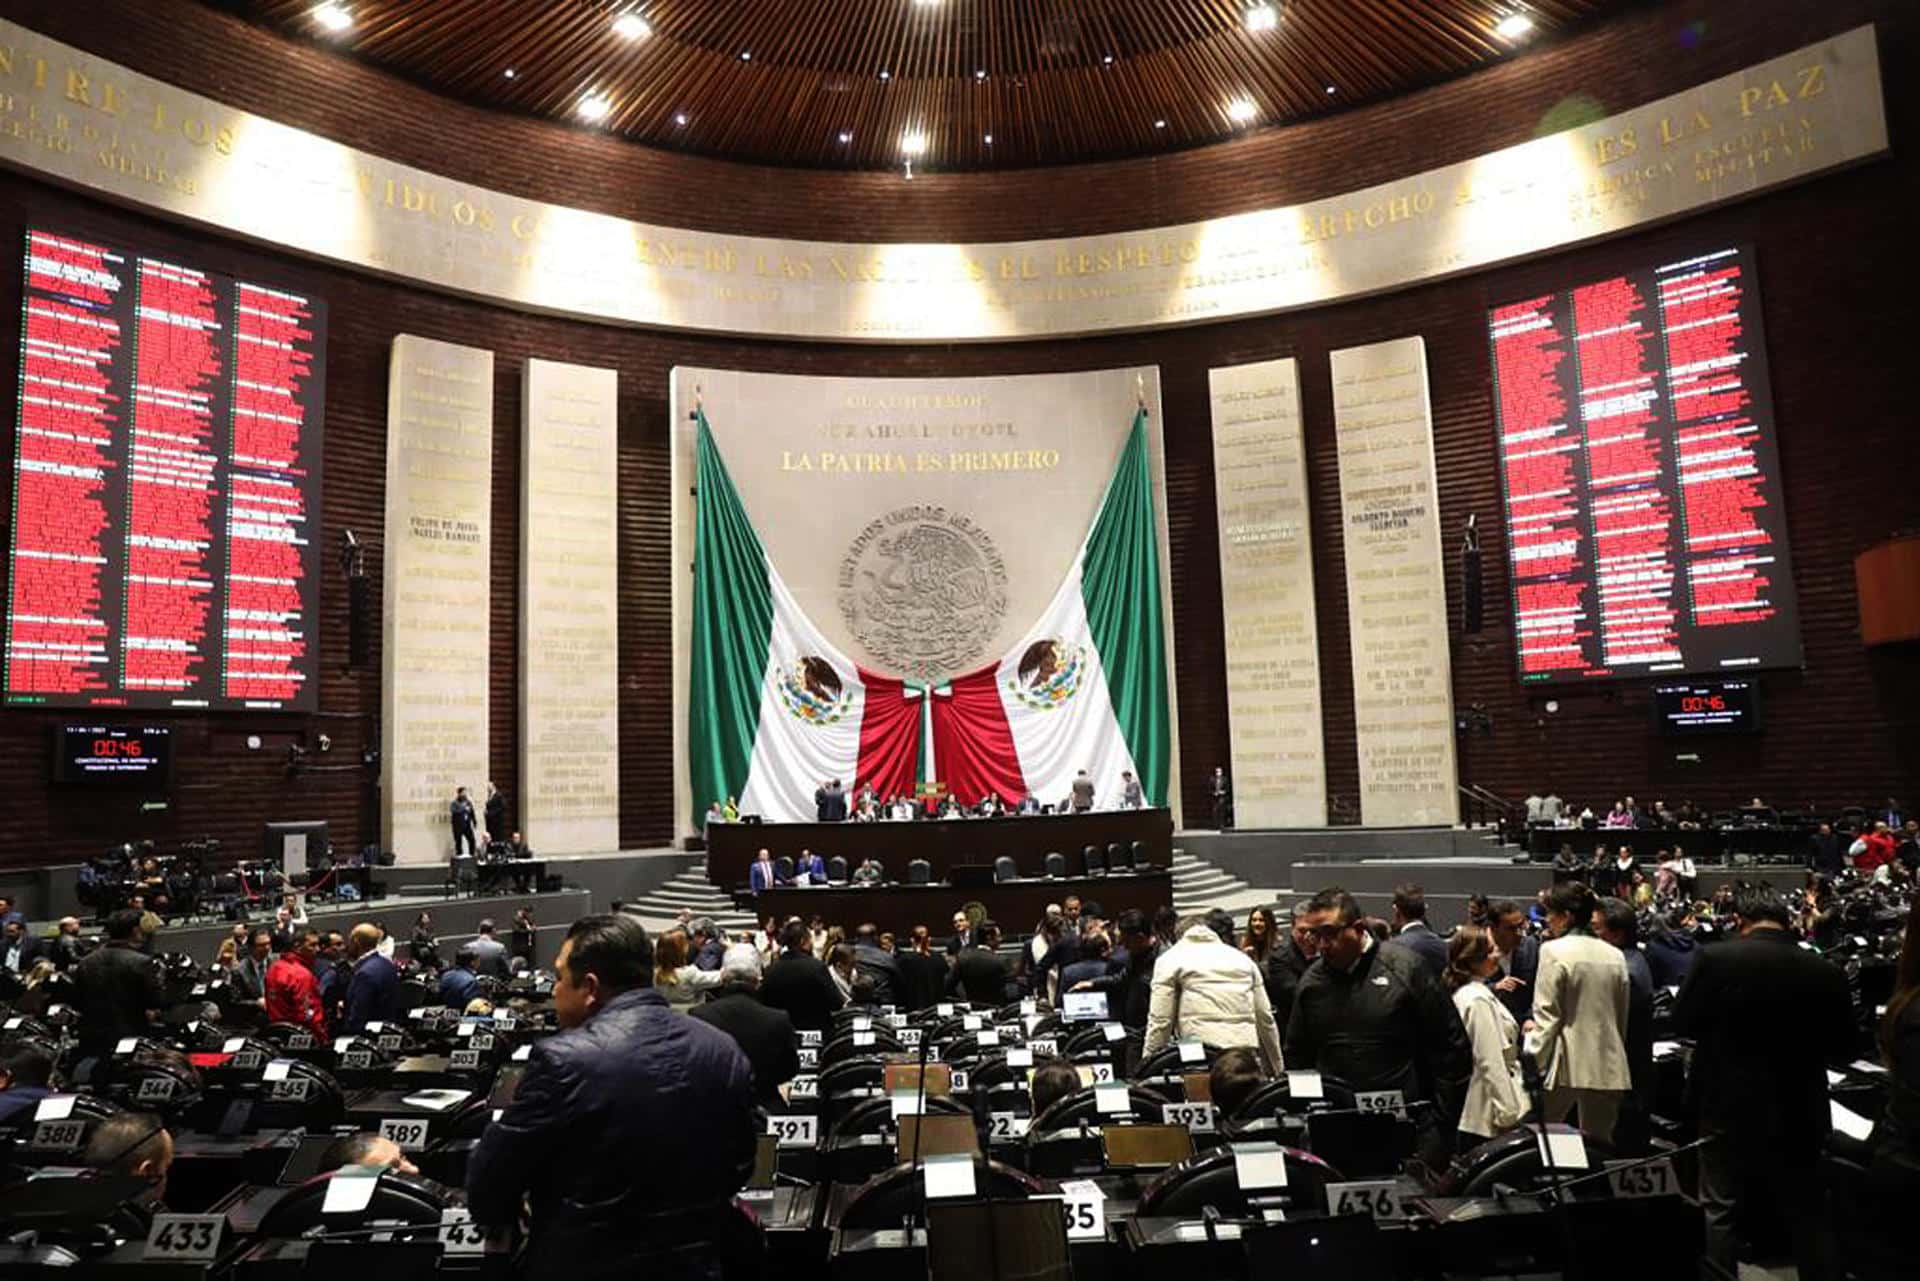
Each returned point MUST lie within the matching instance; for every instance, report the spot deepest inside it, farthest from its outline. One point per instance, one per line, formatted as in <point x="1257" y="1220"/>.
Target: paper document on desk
<point x="1849" y="1122"/>
<point x="437" y="1100"/>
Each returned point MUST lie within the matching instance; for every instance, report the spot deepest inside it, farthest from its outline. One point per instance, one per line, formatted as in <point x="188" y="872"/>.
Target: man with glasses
<point x="1377" y="1018"/>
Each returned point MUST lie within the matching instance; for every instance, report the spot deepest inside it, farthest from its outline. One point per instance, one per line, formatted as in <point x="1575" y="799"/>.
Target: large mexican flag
<point x="775" y="709"/>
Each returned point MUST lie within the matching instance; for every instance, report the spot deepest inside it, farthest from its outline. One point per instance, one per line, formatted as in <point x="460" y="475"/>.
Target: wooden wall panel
<point x="1830" y="258"/>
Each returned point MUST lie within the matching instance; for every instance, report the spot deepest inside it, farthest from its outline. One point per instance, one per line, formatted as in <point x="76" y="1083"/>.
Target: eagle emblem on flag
<point x="811" y="691"/>
<point x="1049" y="674"/>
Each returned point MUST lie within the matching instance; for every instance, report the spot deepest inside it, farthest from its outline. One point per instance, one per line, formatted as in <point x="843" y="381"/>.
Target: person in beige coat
<point x="1207" y="990"/>
<point x="1579" y="1027"/>
<point x="1496" y="1095"/>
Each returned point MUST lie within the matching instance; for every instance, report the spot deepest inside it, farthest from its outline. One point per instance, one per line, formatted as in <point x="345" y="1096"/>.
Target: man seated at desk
<point x="809" y="869"/>
<point x="869" y="873"/>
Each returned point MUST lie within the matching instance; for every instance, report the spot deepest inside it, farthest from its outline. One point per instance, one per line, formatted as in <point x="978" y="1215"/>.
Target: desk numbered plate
<point x="805" y="1087"/>
<point x="154" y="1089"/>
<point x="459" y="1234"/>
<point x="910" y="1037"/>
<point x="390" y="1042"/>
<point x="1375" y="1198"/>
<point x="810" y="1036"/>
<point x="292" y="1089"/>
<point x="794" y="1131"/>
<point x="1197" y="1117"/>
<point x="1086" y="1210"/>
<point x="59" y="1136"/>
<point x="184" y="1237"/>
<point x="464" y="1060"/>
<point x="361" y="1058"/>
<point x="409" y="1133"/>
<point x="1642" y="1179"/>
<point x="1005" y="1127"/>
<point x="1391" y="1102"/>
<point x="1045" y="1045"/>
<point x="809" y="1057"/>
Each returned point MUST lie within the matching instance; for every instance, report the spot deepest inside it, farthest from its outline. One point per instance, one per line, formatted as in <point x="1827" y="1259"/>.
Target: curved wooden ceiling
<point x="984" y="83"/>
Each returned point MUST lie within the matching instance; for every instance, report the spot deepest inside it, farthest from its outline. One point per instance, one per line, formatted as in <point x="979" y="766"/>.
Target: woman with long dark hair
<point x="1268" y="948"/>
<point x="1496" y="1097"/>
<point x="1580" y="998"/>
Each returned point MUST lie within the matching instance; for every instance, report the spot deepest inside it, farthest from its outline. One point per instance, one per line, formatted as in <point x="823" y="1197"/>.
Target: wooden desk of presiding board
<point x="1016" y="906"/>
<point x="944" y="843"/>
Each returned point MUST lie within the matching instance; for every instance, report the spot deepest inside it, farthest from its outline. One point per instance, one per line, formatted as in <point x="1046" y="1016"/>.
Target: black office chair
<point x="885" y="1200"/>
<point x="1166" y="1061"/>
<point x="1513" y="1161"/>
<point x="1275" y="1098"/>
<point x="307" y="1096"/>
<point x="919" y="872"/>
<point x="1141" y="857"/>
<point x="875" y="1116"/>
<point x="783" y="868"/>
<point x="1116" y="857"/>
<point x="1056" y="865"/>
<point x="1082" y="1107"/>
<point x="1005" y="869"/>
<point x="167" y="1089"/>
<point x="1095" y="860"/>
<point x="400" y="1199"/>
<point x="1187" y="1190"/>
<point x="842" y="1046"/>
<point x="837" y="870"/>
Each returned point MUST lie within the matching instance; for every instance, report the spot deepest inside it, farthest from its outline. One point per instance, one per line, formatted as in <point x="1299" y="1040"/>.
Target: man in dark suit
<point x="461" y="818"/>
<point x="877" y="963"/>
<point x="979" y="974"/>
<point x="761" y="875"/>
<point x="798" y="983"/>
<point x="1519" y="958"/>
<point x="19" y="949"/>
<point x="964" y="935"/>
<point x="498" y="828"/>
<point x="1411" y="931"/>
<point x="1767" y="1017"/>
<point x="373" y="993"/>
<point x="765" y="1035"/>
<point x="1825" y="851"/>
<point x="923" y="974"/>
<point x="116" y="988"/>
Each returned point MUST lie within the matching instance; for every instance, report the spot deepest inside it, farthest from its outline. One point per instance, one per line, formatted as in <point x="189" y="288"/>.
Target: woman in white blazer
<point x="1496" y="1096"/>
<point x="1579" y="1025"/>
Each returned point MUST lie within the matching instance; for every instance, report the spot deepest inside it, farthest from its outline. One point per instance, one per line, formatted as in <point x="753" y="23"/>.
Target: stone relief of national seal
<point x="923" y="590"/>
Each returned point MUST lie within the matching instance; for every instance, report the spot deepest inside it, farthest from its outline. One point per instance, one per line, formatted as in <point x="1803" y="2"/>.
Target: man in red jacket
<point x="1880" y="846"/>
<point x="293" y="994"/>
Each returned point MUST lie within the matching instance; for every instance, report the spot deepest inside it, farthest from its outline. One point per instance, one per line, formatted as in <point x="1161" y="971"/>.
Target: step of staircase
<point x="688" y="889"/>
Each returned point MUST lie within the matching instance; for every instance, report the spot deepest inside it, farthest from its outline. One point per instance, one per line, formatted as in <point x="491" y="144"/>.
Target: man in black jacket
<point x="922" y="974"/>
<point x="798" y="983"/>
<point x="764" y="1035"/>
<point x="1519" y="958"/>
<point x="878" y="964"/>
<point x="1767" y="1017"/>
<point x="630" y="1132"/>
<point x="979" y="975"/>
<point x="1411" y="931"/>
<point x="116" y="988"/>
<point x="1374" y="1016"/>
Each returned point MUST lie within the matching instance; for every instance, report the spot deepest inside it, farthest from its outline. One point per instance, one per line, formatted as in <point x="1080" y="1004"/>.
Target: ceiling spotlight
<point x="989" y="140"/>
<point x="1262" y="17"/>
<point x="846" y="135"/>
<point x="913" y="143"/>
<point x="885" y="74"/>
<point x="333" y="17"/>
<point x="746" y="55"/>
<point x="509" y="73"/>
<point x="1241" y="110"/>
<point x="680" y="117"/>
<point x="981" y="74"/>
<point x="595" y="107"/>
<point x="1107" y="61"/>
<point x="1159" y="124"/>
<point x="631" y="26"/>
<point x="1331" y="91"/>
<point x="1515" y="26"/>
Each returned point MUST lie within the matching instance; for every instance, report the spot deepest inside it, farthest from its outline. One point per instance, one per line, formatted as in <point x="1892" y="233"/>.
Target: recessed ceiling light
<point x="509" y="73"/>
<point x="913" y="143"/>
<point x="594" y="107"/>
<point x="1159" y="124"/>
<point x="680" y="117"/>
<point x="333" y="17"/>
<point x="1515" y="26"/>
<point x="1108" y="60"/>
<point x="1262" y="17"/>
<point x="989" y="140"/>
<point x="885" y="74"/>
<point x="1241" y="110"/>
<point x="981" y="74"/>
<point x="846" y="135"/>
<point x="1331" y="90"/>
<point x="631" y="26"/>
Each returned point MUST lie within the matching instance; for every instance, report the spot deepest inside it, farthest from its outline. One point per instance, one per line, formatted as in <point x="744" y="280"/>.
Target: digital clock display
<point x="1707" y="707"/>
<point x="129" y="755"/>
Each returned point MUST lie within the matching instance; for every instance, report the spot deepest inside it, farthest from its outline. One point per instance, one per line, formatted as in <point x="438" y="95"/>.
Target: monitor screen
<point x="1644" y="526"/>
<point x="1707" y="707"/>
<point x="1084" y="1007"/>
<point x="116" y="755"/>
<point x="164" y="550"/>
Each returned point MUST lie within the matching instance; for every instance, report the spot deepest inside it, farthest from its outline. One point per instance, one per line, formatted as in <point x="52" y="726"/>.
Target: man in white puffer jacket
<point x="1207" y="990"/>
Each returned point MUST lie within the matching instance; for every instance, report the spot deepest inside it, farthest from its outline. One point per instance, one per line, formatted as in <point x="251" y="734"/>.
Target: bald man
<point x="375" y="1151"/>
<point x="134" y="1143"/>
<point x="373" y="993"/>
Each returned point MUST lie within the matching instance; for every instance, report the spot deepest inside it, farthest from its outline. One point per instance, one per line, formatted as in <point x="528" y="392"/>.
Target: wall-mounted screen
<point x="1645" y="532"/>
<point x="166" y="499"/>
<point x="1707" y="707"/>
<point x="129" y="755"/>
